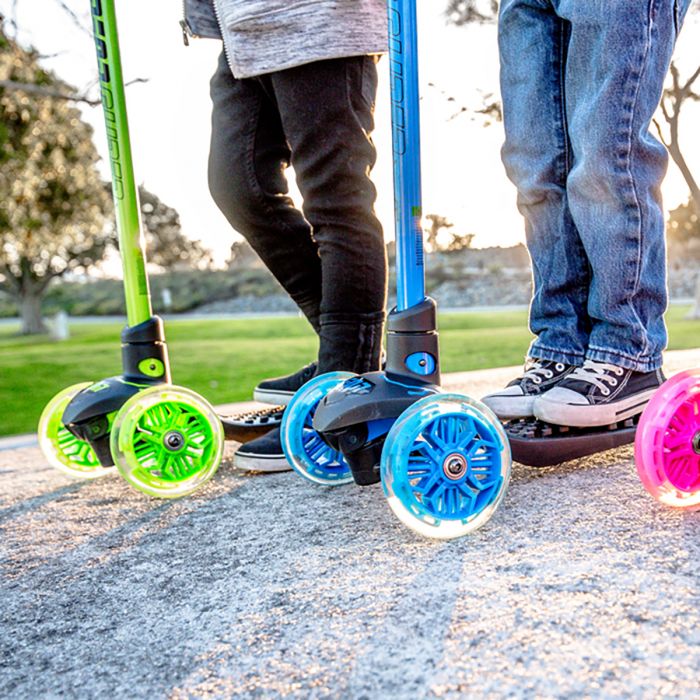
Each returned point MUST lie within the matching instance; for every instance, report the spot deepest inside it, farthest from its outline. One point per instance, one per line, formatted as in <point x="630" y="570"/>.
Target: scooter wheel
<point x="167" y="441"/>
<point x="667" y="445"/>
<point x="308" y="454"/>
<point x="445" y="466"/>
<point x="61" y="448"/>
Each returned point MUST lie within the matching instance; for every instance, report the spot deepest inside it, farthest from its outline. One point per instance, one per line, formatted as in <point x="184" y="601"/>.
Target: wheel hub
<point x="455" y="466"/>
<point x="696" y="443"/>
<point x="174" y="440"/>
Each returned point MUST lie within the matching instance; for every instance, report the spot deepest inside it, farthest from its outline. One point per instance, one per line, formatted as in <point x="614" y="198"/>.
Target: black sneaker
<point x="281" y="389"/>
<point x="517" y="399"/>
<point x="598" y="394"/>
<point x="264" y="454"/>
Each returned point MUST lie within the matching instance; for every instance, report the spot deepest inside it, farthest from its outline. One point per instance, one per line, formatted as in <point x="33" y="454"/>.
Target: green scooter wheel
<point x="61" y="448"/>
<point x="167" y="441"/>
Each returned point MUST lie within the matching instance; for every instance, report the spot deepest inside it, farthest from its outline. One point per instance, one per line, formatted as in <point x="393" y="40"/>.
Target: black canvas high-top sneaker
<point x="517" y="398"/>
<point x="597" y="394"/>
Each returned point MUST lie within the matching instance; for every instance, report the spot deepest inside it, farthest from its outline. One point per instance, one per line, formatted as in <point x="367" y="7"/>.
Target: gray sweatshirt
<point x="262" y="36"/>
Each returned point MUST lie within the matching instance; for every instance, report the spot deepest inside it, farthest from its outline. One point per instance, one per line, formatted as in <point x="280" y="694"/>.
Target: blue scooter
<point x="443" y="459"/>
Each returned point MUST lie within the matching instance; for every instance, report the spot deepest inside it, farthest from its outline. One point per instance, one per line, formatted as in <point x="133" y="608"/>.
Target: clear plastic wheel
<point x="167" y="441"/>
<point x="61" y="448"/>
<point x="308" y="454"/>
<point x="445" y="466"/>
<point x="667" y="445"/>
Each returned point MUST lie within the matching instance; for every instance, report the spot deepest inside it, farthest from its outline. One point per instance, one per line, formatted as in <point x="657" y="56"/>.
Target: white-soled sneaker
<point x="280" y="390"/>
<point x="518" y="397"/>
<point x="264" y="454"/>
<point x="597" y="394"/>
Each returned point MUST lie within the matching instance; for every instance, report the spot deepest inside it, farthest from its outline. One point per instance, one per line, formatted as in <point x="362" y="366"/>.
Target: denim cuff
<point x="541" y="352"/>
<point x="647" y="363"/>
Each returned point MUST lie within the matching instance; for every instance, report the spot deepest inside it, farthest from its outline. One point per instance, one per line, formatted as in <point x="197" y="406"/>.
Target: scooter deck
<point x="244" y="427"/>
<point x="538" y="444"/>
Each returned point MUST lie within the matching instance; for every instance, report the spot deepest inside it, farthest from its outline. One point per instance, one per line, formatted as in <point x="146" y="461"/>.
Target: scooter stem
<point x="405" y="119"/>
<point x="126" y="200"/>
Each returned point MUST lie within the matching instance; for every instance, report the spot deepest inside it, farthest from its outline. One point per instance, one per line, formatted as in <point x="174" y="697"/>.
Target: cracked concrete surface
<point x="267" y="586"/>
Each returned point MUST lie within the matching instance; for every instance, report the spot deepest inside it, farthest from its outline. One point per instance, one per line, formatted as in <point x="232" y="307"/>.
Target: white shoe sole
<point x="261" y="463"/>
<point x="280" y="398"/>
<point x="587" y="416"/>
<point x="510" y="407"/>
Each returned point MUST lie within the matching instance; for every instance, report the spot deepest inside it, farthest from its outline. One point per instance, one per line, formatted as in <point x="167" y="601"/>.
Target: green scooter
<point x="165" y="440"/>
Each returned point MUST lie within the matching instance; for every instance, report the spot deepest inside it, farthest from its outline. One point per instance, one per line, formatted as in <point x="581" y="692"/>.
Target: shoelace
<point x="535" y="369"/>
<point x="598" y="374"/>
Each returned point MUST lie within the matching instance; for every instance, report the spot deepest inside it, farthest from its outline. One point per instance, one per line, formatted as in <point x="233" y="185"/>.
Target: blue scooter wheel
<point x="445" y="466"/>
<point x="305" y="450"/>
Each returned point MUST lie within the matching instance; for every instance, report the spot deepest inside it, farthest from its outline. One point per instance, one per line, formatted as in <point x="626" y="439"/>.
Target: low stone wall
<point x="273" y="303"/>
<point x="515" y="288"/>
<point x="502" y="288"/>
<point x="490" y="289"/>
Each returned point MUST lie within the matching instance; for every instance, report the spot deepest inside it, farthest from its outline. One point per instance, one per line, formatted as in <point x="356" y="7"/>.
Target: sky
<point x="463" y="178"/>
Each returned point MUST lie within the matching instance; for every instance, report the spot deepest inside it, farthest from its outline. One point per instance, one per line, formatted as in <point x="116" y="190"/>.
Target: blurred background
<point x="57" y="241"/>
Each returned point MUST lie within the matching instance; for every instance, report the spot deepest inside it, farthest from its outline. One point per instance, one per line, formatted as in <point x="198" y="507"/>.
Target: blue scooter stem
<point x="405" y="122"/>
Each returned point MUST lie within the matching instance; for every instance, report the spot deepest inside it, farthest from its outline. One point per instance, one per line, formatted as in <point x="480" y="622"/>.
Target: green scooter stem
<point x="126" y="199"/>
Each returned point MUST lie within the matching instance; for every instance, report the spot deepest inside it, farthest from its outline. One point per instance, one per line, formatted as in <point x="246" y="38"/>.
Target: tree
<point x="437" y="224"/>
<point x="90" y="94"/>
<point x="684" y="231"/>
<point x="675" y="96"/>
<point x="466" y="11"/>
<point x="684" y="243"/>
<point x="53" y="203"/>
<point x="678" y="93"/>
<point x="459" y="242"/>
<point x="166" y="246"/>
<point x="242" y="256"/>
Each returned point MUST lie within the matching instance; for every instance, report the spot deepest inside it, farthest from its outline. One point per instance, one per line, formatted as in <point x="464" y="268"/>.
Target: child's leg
<point x="533" y="45"/>
<point x="326" y="110"/>
<point x="327" y="114"/>
<point x="618" y="56"/>
<point x="247" y="159"/>
<point x="619" y="53"/>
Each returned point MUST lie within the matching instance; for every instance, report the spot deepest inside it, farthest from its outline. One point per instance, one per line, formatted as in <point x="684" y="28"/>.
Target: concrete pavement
<point x="266" y="586"/>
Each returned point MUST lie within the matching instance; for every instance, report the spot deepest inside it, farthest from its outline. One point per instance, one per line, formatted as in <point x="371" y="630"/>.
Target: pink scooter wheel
<point x="667" y="446"/>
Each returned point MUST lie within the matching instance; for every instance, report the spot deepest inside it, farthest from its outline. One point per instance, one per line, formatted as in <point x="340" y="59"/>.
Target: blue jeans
<point x="580" y="81"/>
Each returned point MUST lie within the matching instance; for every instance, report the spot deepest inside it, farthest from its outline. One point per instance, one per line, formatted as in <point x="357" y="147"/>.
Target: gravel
<point x="266" y="586"/>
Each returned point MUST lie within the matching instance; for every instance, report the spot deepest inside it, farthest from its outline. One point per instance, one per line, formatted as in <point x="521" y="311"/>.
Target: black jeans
<point x="331" y="258"/>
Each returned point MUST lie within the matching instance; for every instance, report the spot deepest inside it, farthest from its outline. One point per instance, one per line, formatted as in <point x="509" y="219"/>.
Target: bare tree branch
<point x="10" y="283"/>
<point x="46" y="56"/>
<point x="673" y="70"/>
<point x="660" y="132"/>
<point x="76" y="20"/>
<point x="133" y="81"/>
<point x="33" y="89"/>
<point x="13" y="12"/>
<point x="664" y="110"/>
<point x="688" y="87"/>
<point x="692" y="79"/>
<point x="11" y="21"/>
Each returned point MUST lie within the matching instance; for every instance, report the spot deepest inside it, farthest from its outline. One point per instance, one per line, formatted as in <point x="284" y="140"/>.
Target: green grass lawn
<point x="223" y="360"/>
